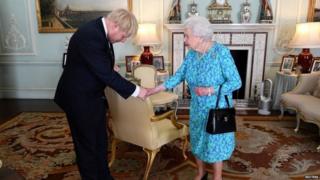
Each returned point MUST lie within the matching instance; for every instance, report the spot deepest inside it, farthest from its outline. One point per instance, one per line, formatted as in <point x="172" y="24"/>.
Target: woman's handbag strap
<point x="218" y="97"/>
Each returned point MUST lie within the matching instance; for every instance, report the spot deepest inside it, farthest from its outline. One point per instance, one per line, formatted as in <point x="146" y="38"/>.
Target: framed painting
<point x="130" y="62"/>
<point x="287" y="63"/>
<point x="158" y="62"/>
<point x="66" y="16"/>
<point x="314" y="11"/>
<point x="315" y="65"/>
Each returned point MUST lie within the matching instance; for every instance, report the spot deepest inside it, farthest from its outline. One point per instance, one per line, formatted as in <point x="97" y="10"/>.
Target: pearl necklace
<point x="206" y="50"/>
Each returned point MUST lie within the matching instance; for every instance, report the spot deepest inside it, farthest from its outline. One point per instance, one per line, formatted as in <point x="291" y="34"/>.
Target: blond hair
<point x="126" y="21"/>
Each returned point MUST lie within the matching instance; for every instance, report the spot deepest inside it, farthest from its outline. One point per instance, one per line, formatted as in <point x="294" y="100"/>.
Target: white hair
<point x="199" y="26"/>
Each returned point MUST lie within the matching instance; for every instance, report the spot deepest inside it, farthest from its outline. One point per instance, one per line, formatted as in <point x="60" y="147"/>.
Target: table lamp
<point x="307" y="36"/>
<point x="146" y="37"/>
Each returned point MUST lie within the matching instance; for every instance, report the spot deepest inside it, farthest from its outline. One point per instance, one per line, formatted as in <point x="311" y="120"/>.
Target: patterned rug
<point x="39" y="146"/>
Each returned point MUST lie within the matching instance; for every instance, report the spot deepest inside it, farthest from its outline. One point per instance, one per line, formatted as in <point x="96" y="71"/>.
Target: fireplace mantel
<point x="229" y="27"/>
<point x="252" y="37"/>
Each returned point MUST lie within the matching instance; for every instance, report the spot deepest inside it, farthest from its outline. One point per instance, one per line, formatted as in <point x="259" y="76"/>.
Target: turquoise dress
<point x="212" y="69"/>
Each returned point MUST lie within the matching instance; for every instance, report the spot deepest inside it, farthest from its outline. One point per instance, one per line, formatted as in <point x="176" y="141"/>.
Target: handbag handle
<point x="218" y="98"/>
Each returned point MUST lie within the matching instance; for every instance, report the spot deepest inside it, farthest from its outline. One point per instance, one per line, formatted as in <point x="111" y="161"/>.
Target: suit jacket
<point x="89" y="69"/>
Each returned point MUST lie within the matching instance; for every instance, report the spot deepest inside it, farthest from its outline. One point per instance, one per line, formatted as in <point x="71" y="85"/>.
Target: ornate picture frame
<point x="129" y="64"/>
<point x="287" y="63"/>
<point x="315" y="65"/>
<point x="158" y="62"/>
<point x="65" y="17"/>
<point x="314" y="11"/>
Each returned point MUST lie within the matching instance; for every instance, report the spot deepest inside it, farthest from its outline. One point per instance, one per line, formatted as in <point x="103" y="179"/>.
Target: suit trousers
<point x="89" y="134"/>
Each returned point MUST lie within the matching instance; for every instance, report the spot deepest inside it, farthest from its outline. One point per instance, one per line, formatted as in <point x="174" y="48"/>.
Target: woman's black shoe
<point x="205" y="176"/>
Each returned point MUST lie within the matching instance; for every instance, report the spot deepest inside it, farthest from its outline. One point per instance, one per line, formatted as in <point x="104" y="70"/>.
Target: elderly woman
<point x="207" y="67"/>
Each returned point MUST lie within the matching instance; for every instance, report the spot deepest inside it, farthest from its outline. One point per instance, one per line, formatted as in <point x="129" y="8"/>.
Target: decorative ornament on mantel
<point x="245" y="13"/>
<point x="193" y="10"/>
<point x="219" y="12"/>
<point x="265" y="12"/>
<point x="175" y="13"/>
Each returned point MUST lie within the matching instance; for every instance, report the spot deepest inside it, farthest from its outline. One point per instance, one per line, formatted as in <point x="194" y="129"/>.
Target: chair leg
<point x="282" y="111"/>
<point x="298" y="123"/>
<point x="113" y="151"/>
<point x="151" y="155"/>
<point x="175" y="108"/>
<point x="184" y="147"/>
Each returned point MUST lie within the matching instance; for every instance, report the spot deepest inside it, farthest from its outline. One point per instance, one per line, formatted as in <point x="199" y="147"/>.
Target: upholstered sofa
<point x="304" y="99"/>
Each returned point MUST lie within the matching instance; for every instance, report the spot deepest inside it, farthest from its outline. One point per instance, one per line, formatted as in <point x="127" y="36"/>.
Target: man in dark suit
<point x="80" y="91"/>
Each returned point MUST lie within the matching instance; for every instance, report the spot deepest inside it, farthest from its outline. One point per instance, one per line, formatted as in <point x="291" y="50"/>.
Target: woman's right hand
<point x="155" y="90"/>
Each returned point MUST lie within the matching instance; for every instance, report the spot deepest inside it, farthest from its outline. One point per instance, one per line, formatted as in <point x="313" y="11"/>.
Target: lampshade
<point x="147" y="35"/>
<point x="307" y="35"/>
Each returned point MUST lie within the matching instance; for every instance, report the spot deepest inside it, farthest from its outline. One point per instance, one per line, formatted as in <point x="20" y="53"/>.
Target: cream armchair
<point x="146" y="75"/>
<point x="134" y="121"/>
<point x="304" y="100"/>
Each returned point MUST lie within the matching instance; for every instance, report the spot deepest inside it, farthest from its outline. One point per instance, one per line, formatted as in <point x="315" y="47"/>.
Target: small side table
<point x="283" y="83"/>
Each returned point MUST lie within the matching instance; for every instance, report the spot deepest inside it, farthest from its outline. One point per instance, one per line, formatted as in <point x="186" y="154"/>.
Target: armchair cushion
<point x="163" y="98"/>
<point x="309" y="108"/>
<point x="291" y="100"/>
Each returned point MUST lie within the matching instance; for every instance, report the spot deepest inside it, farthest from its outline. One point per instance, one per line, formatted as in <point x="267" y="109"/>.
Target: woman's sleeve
<point x="177" y="78"/>
<point x="229" y="72"/>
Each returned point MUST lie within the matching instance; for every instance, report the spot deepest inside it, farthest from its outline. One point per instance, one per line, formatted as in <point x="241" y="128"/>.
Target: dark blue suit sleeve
<point x="99" y="61"/>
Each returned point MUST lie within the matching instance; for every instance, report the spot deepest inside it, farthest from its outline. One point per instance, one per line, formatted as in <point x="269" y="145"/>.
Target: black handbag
<point x="221" y="120"/>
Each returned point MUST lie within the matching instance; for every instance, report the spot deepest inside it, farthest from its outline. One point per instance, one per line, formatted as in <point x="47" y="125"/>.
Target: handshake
<point x="145" y="92"/>
<point x="199" y="91"/>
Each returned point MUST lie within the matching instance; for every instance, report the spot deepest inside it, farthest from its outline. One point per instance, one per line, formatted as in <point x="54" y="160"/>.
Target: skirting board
<point x="46" y="93"/>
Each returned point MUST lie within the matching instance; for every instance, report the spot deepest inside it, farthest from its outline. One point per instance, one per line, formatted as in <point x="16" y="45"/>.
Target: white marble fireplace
<point x="251" y="37"/>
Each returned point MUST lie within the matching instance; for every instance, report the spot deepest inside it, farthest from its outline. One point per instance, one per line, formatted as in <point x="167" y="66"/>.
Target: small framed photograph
<point x="129" y="60"/>
<point x="64" y="60"/>
<point x="158" y="62"/>
<point x="315" y="65"/>
<point x="134" y="64"/>
<point x="287" y="63"/>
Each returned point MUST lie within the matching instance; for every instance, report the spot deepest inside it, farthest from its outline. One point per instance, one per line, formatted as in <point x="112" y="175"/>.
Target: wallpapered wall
<point x="31" y="65"/>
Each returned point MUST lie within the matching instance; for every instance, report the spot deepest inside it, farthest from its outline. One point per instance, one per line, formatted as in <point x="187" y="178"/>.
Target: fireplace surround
<point x="251" y="38"/>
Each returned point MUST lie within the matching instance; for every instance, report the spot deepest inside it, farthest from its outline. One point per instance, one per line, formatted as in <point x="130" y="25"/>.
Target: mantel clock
<point x="220" y="12"/>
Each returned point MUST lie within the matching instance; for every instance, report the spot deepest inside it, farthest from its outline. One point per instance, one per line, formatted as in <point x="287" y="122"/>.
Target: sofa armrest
<point x="306" y="83"/>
